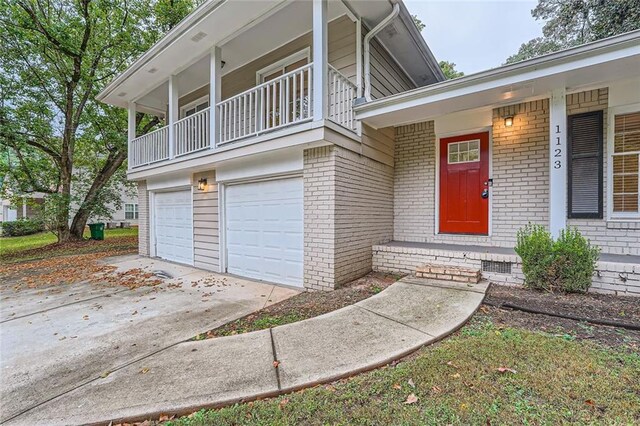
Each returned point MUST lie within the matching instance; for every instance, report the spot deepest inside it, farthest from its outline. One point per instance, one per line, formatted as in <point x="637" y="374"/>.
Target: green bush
<point x="22" y="227"/>
<point x="566" y="264"/>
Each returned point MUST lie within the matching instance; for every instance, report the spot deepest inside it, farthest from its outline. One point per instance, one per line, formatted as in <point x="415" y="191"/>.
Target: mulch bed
<point x="306" y="305"/>
<point x="590" y="305"/>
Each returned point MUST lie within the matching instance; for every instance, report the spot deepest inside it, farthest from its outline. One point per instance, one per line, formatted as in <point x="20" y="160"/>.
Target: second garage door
<point x="264" y="230"/>
<point x="173" y="217"/>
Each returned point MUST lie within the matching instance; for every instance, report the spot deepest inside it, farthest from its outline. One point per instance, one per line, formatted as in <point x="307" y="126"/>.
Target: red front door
<point x="464" y="189"/>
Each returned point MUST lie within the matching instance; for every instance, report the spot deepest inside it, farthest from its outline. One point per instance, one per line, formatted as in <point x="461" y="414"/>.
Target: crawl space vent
<point x="496" y="267"/>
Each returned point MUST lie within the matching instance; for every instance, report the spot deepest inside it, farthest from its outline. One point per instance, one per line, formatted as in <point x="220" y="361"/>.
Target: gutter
<point x="630" y="39"/>
<point x="367" y="49"/>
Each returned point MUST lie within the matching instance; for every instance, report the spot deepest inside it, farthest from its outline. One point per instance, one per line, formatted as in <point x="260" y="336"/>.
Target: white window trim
<point x="611" y="114"/>
<point x="283" y="63"/>
<point x="191" y="104"/>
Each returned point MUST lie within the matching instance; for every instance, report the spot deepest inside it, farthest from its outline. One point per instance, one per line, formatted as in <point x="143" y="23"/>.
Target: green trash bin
<point x="97" y="231"/>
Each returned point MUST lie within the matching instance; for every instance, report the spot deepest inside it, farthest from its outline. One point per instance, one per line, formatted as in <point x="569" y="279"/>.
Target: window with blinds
<point x="585" y="165"/>
<point x="626" y="164"/>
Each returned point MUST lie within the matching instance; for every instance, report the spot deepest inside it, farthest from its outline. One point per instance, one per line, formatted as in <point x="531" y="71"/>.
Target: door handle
<point x="485" y="193"/>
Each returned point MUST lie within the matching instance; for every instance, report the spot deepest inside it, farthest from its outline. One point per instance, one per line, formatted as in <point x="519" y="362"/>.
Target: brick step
<point x="449" y="273"/>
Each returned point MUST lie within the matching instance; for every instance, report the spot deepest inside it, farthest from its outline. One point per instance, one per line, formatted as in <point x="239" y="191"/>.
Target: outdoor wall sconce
<point x="202" y="184"/>
<point x="508" y="121"/>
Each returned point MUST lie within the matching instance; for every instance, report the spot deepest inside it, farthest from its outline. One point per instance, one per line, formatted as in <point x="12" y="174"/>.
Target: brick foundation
<point x="622" y="279"/>
<point x="449" y="273"/>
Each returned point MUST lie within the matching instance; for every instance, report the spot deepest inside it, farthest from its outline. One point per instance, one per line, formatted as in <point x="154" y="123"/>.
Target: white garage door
<point x="264" y="235"/>
<point x="173" y="217"/>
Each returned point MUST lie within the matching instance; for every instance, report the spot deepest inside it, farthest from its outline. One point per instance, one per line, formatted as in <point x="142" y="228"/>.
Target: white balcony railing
<point x="149" y="148"/>
<point x="192" y="133"/>
<point x="276" y="104"/>
<point x="342" y="93"/>
<point x="280" y="102"/>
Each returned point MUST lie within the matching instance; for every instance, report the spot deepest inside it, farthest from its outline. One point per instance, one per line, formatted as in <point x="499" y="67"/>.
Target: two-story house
<point x="262" y="169"/>
<point x="308" y="142"/>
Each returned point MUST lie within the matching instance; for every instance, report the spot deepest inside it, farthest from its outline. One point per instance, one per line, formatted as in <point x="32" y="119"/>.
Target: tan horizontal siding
<point x="206" y="247"/>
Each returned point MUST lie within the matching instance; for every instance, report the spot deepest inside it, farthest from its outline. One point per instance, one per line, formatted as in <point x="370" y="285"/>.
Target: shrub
<point x="566" y="264"/>
<point x="22" y="227"/>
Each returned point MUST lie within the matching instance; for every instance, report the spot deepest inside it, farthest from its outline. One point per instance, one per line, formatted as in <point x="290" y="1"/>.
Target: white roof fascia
<point x="609" y="49"/>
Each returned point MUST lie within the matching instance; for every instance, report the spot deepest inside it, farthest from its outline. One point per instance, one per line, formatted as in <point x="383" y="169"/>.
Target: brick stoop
<point x="449" y="273"/>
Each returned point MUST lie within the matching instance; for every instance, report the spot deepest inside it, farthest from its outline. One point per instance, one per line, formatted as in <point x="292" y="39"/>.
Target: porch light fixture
<point x="508" y="121"/>
<point x="202" y="184"/>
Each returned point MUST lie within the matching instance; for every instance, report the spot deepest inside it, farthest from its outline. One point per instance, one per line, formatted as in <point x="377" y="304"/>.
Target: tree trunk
<point x="112" y="164"/>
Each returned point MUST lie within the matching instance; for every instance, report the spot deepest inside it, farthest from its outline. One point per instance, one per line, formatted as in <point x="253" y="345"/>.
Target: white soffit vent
<point x="199" y="36"/>
<point x="152" y="70"/>
<point x="121" y="94"/>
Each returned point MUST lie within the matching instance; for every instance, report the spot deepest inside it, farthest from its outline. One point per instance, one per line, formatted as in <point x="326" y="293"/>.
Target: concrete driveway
<point x="57" y="339"/>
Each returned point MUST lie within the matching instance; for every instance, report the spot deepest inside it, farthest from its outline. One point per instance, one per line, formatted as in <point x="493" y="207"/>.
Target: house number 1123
<point x="557" y="164"/>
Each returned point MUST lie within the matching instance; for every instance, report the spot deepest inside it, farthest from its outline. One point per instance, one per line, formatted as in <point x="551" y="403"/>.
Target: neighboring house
<point x="127" y="213"/>
<point x="25" y="207"/>
<point x="283" y="179"/>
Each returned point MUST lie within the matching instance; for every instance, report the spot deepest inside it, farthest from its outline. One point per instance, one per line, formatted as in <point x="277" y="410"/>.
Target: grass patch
<point x="38" y="246"/>
<point x="556" y="381"/>
<point x="304" y="306"/>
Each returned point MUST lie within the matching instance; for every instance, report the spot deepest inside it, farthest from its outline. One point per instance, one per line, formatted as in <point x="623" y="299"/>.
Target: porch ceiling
<point x="246" y="30"/>
<point x="575" y="69"/>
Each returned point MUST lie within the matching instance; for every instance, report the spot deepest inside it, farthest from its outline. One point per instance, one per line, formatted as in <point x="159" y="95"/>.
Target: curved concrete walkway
<point x="183" y="378"/>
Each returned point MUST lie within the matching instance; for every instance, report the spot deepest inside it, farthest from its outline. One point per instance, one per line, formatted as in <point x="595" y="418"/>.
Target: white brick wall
<point x="319" y="218"/>
<point x="364" y="212"/>
<point x="348" y="203"/>
<point x="520" y="174"/>
<point x="143" y="221"/>
<point x="521" y="180"/>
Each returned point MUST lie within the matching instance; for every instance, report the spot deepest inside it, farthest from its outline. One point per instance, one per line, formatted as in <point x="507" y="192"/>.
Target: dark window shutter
<point x="585" y="165"/>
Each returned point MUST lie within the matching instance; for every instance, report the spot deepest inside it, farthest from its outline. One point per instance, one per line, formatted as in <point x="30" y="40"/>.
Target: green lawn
<point x="14" y="245"/>
<point x="557" y="380"/>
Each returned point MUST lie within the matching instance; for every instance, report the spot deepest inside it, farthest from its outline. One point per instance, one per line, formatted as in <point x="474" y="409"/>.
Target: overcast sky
<point x="475" y="34"/>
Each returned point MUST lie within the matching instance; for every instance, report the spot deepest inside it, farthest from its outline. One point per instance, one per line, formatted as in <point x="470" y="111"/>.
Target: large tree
<point x="55" y="57"/>
<point x="570" y="23"/>
<point x="449" y="70"/>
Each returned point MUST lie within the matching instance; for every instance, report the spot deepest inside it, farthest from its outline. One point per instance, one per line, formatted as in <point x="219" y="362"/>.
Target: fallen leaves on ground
<point x="506" y="370"/>
<point x="411" y="399"/>
<point x="71" y="269"/>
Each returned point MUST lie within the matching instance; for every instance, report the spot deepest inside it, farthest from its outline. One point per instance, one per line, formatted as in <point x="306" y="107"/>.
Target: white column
<point x="173" y="113"/>
<point x="359" y="58"/>
<point x="131" y="130"/>
<point x="558" y="162"/>
<point x="320" y="60"/>
<point x="24" y="207"/>
<point x="215" y="88"/>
